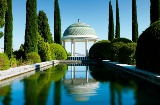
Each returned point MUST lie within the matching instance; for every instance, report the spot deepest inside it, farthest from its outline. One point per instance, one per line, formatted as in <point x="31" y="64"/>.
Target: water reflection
<point x="37" y="86"/>
<point x="80" y="88"/>
<point x="5" y="95"/>
<point x="58" y="86"/>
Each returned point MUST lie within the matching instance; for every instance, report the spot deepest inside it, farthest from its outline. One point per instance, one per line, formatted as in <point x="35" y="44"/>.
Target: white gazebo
<point x="79" y="32"/>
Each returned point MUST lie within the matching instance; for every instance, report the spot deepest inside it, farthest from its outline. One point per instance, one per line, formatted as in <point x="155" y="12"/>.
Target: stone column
<point x="63" y="43"/>
<point x="71" y="47"/>
<point x="86" y="47"/>
<point x="74" y="46"/>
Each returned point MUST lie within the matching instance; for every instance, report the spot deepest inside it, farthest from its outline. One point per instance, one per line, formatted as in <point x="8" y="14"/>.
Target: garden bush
<point x="33" y="57"/>
<point x="13" y="61"/>
<point x="115" y="46"/>
<point x="148" y="48"/>
<point x="58" y="52"/>
<point x="127" y="53"/>
<point x="124" y="40"/>
<point x="43" y="49"/>
<point x="4" y="62"/>
<point x="114" y="51"/>
<point x="100" y="50"/>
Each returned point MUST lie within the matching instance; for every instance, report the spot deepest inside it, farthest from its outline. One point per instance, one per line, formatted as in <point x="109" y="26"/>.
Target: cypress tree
<point x="57" y="23"/>
<point x="3" y="9"/>
<point x="8" y="30"/>
<point x="154" y="10"/>
<point x="117" y="21"/>
<point x="43" y="27"/>
<point x="31" y="36"/>
<point x="111" y="23"/>
<point x="134" y="22"/>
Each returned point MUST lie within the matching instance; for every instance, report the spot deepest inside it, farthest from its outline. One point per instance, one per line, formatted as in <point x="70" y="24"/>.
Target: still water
<point x="78" y="85"/>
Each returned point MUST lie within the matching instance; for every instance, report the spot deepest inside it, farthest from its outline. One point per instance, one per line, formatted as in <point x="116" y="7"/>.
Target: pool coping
<point x="131" y="69"/>
<point x="11" y="72"/>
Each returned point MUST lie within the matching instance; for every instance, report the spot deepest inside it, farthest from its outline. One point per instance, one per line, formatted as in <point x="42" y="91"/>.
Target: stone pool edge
<point x="131" y="69"/>
<point x="11" y="72"/>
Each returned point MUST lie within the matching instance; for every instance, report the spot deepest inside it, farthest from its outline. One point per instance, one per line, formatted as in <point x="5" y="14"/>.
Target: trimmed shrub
<point x="148" y="48"/>
<point x="116" y="45"/>
<point x="127" y="53"/>
<point x="114" y="51"/>
<point x="58" y="52"/>
<point x="4" y="62"/>
<point x="100" y="50"/>
<point x="124" y="40"/>
<point x="43" y="49"/>
<point x="33" y="57"/>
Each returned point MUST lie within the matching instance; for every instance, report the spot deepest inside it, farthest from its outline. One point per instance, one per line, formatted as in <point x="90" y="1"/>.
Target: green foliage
<point x="127" y="53"/>
<point x="3" y="9"/>
<point x="33" y="57"/>
<point x="148" y="50"/>
<point x="4" y="62"/>
<point x="117" y="21"/>
<point x="111" y="23"/>
<point x="31" y="36"/>
<point x="13" y="61"/>
<point x="100" y="50"/>
<point x="43" y="49"/>
<point x="114" y="51"/>
<point x="44" y="28"/>
<point x="134" y="22"/>
<point x="19" y="53"/>
<point x="57" y="23"/>
<point x="116" y="45"/>
<point x="124" y="40"/>
<point x="68" y="53"/>
<point x="154" y="11"/>
<point x="8" y="30"/>
<point x="59" y="52"/>
<point x="58" y="72"/>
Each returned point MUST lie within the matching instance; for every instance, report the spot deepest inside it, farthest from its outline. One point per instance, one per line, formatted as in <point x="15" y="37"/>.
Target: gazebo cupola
<point x="79" y="32"/>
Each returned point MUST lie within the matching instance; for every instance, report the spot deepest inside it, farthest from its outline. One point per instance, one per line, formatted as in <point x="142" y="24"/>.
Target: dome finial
<point x="78" y="20"/>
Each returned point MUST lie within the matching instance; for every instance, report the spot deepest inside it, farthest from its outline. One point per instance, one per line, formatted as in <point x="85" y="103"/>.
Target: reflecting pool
<point x="69" y="84"/>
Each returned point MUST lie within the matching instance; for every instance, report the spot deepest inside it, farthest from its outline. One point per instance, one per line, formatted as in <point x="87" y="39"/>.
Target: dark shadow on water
<point x="145" y="92"/>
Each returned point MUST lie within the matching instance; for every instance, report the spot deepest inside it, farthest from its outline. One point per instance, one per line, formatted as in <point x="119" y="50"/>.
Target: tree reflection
<point x="37" y="86"/>
<point x="6" y="93"/>
<point x="58" y="73"/>
<point x="103" y="74"/>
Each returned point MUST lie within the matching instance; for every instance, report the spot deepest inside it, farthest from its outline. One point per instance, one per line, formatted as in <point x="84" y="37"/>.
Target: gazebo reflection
<point x="78" y="87"/>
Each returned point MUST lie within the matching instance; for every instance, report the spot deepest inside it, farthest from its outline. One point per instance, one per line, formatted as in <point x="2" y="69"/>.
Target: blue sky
<point x="92" y="12"/>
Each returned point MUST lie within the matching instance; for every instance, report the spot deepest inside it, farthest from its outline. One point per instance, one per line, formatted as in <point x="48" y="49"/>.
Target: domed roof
<point x="79" y="29"/>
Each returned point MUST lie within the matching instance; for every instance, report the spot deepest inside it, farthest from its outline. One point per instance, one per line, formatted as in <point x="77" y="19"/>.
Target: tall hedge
<point x="57" y="23"/>
<point x="31" y="36"/>
<point x="111" y="23"/>
<point x="134" y="22"/>
<point x="43" y="27"/>
<point x="117" y="34"/>
<point x="43" y="49"/>
<point x="154" y="10"/>
<point x="148" y="48"/>
<point x="8" y="30"/>
<point x="100" y="50"/>
<point x="3" y="9"/>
